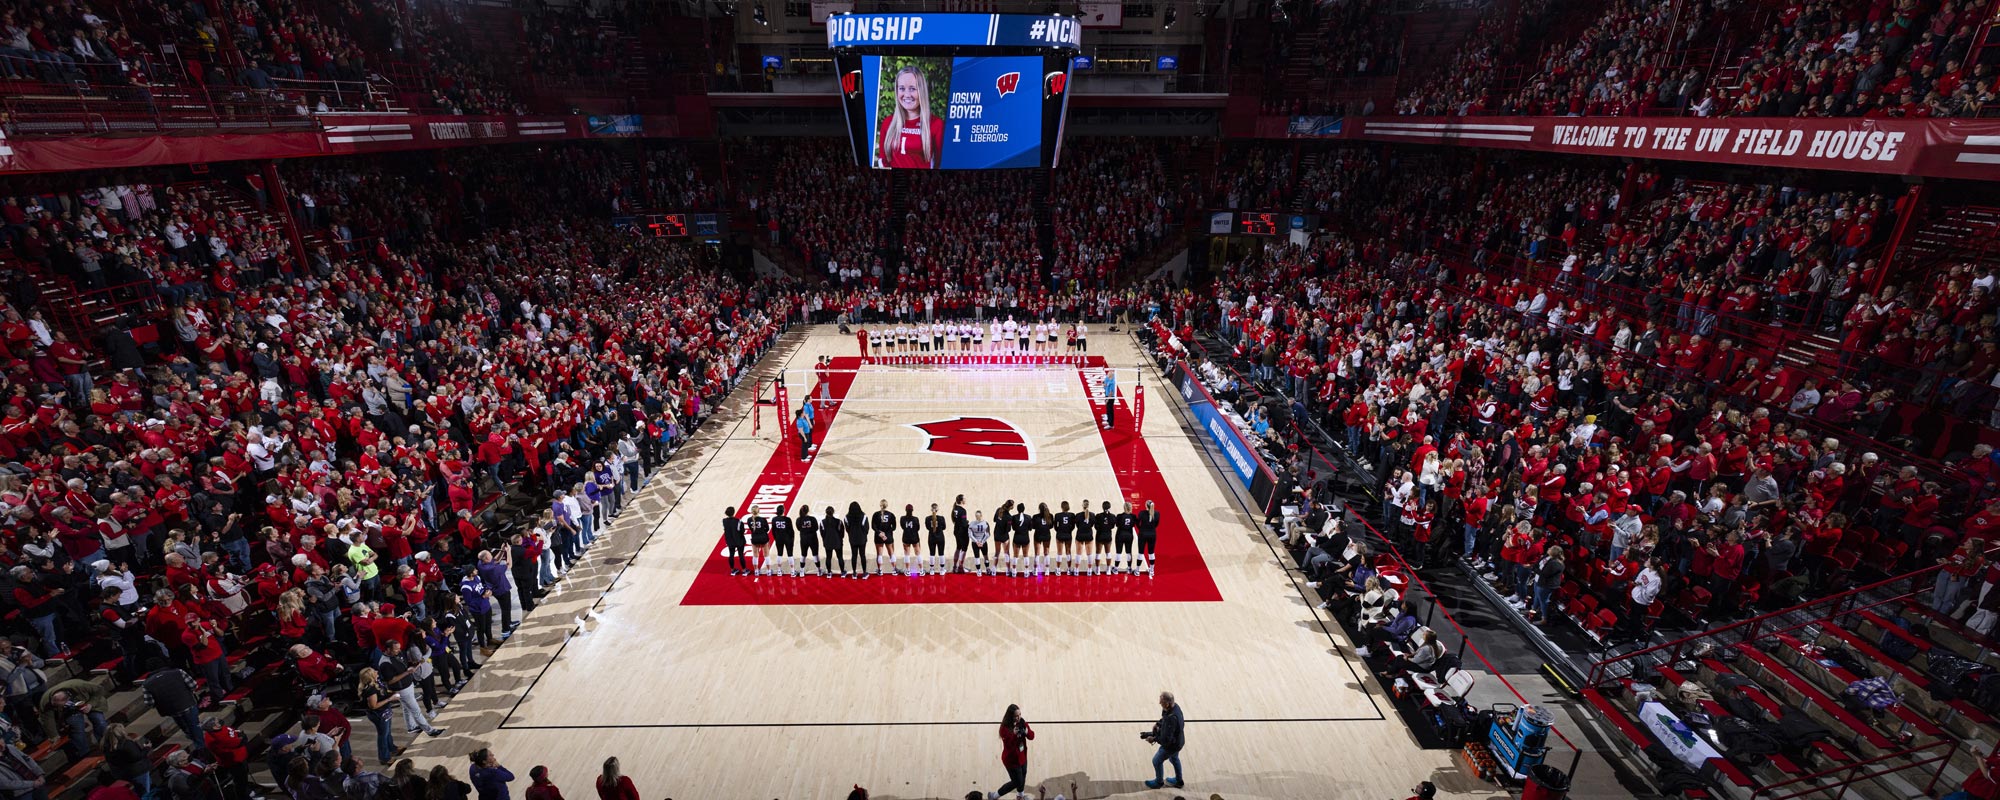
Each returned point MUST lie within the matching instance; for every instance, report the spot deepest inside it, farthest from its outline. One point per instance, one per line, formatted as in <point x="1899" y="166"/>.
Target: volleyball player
<point x="875" y="342"/>
<point x="979" y="531"/>
<point x="958" y="534"/>
<point x="856" y="526"/>
<point x="934" y="540"/>
<point x="1104" y="523"/>
<point x="832" y="532"/>
<point x="993" y="341"/>
<point x="884" y="523"/>
<point x="1065" y="527"/>
<point x="1044" y="522"/>
<point x="938" y="335"/>
<point x="1003" y="529"/>
<point x="907" y="562"/>
<point x="1149" y="535"/>
<point x="760" y="537"/>
<point x="1007" y="333"/>
<point x="1021" y="340"/>
<point x="1128" y="525"/>
<point x="1071" y="339"/>
<point x="1023" y="526"/>
<point x="923" y="335"/>
<point x="1082" y="331"/>
<point x="781" y="535"/>
<point x="965" y="336"/>
<point x="732" y="542"/>
<point x="808" y="527"/>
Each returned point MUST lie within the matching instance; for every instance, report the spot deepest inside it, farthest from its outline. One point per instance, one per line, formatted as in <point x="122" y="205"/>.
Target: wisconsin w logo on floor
<point x="977" y="437"/>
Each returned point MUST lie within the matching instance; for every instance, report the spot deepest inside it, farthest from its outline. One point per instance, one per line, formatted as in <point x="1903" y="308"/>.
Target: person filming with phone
<point x="1014" y="736"/>
<point x="1170" y="734"/>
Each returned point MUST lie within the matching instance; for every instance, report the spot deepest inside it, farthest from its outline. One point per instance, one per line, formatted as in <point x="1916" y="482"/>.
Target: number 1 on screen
<point x="954" y="133"/>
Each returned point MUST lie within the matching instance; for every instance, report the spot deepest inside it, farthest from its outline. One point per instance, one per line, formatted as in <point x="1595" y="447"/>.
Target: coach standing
<point x="1170" y="733"/>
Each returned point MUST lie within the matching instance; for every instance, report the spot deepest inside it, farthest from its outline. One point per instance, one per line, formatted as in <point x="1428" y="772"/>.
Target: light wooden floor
<point x="789" y="701"/>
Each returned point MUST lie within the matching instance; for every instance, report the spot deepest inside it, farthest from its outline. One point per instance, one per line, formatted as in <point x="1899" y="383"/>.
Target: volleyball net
<point x="953" y="384"/>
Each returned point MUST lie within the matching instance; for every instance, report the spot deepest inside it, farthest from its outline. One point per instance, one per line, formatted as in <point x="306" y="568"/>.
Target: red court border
<point x="1182" y="574"/>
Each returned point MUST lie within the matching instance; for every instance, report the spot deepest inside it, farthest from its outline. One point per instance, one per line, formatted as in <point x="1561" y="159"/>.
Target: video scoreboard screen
<point x="954" y="91"/>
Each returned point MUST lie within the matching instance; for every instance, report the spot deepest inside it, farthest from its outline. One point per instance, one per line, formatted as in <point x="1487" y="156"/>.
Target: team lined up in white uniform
<point x="1000" y="336"/>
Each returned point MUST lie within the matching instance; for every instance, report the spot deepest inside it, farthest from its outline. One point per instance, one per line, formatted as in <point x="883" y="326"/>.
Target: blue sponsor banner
<point x="1235" y="450"/>
<point x="617" y="125"/>
<point x="774" y="62"/>
<point x="1081" y="62"/>
<point x="953" y="30"/>
<point x="1166" y="63"/>
<point x="1313" y="126"/>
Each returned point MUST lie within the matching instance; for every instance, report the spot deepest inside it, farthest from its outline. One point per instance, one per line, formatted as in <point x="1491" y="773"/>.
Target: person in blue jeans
<point x="1170" y="735"/>
<point x="1548" y="576"/>
<point x="375" y="701"/>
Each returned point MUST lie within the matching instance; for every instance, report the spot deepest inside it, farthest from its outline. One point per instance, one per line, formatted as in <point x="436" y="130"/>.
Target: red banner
<point x="337" y="134"/>
<point x="1951" y="148"/>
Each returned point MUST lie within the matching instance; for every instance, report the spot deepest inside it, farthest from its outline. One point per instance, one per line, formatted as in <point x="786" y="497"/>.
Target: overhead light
<point x="1170" y="19"/>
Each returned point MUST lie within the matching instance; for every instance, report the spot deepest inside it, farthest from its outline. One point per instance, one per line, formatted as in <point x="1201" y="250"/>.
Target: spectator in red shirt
<point x="613" y="785"/>
<point x="231" y="754"/>
<point x="1014" y="737"/>
<point x="540" y="787"/>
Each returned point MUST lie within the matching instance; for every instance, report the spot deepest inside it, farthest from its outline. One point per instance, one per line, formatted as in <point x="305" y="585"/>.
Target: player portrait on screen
<point x="911" y="132"/>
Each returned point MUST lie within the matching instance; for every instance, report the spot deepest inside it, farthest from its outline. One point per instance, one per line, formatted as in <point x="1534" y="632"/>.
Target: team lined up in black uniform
<point x="1016" y="542"/>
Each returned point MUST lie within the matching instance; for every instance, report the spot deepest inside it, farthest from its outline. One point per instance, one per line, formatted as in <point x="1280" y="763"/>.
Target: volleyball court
<point x="915" y="428"/>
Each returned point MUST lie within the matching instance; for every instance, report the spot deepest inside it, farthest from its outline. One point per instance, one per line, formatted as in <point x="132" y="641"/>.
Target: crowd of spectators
<point x="402" y="200"/>
<point x="808" y="196"/>
<point x="1111" y="202"/>
<point x="1813" y="58"/>
<point x="1337" y="182"/>
<point x="1688" y="260"/>
<point x="969" y="230"/>
<point x="128" y="231"/>
<point x="1251" y="177"/>
<point x="56" y="44"/>
<point x="567" y="42"/>
<point x="247" y="50"/>
<point x="1468" y="76"/>
<point x="1547" y="456"/>
<point x="293" y="476"/>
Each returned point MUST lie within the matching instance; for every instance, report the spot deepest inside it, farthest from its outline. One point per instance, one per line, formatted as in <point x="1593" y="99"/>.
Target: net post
<point x="1138" y="406"/>
<point x="781" y="401"/>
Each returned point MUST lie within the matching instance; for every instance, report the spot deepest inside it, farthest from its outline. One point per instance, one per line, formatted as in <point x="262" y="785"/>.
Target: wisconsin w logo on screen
<point x="850" y="83"/>
<point x="1008" y="83"/>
